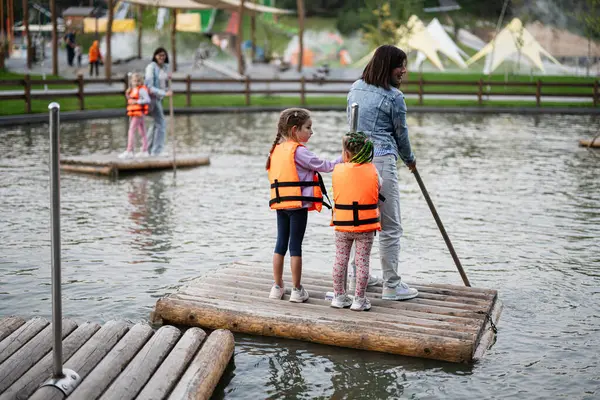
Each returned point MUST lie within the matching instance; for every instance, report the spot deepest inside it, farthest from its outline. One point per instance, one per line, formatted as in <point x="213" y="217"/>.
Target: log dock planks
<point x="114" y="361"/>
<point x="112" y="165"/>
<point x="445" y="322"/>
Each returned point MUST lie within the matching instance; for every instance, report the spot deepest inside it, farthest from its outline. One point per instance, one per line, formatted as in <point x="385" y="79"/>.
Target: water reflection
<point x="151" y="218"/>
<point x="297" y="369"/>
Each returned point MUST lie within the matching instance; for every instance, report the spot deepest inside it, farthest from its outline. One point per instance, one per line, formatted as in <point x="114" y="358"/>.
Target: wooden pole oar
<point x="172" y="125"/>
<point x="438" y="221"/>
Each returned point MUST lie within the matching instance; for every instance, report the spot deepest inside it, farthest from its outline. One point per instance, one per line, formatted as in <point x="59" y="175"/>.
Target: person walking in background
<point x="296" y="189"/>
<point x="356" y="219"/>
<point x="156" y="81"/>
<point x="78" y="55"/>
<point x="137" y="107"/>
<point x="70" y="45"/>
<point x="94" y="57"/>
<point x="382" y="117"/>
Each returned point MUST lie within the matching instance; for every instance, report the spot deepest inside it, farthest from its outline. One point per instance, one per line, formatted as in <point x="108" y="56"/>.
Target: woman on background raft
<point x="382" y="117"/>
<point x="156" y="81"/>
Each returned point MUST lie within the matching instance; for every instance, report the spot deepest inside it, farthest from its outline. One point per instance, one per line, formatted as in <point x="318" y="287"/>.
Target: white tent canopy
<point x="505" y="45"/>
<point x="413" y="36"/>
<point x="444" y="45"/>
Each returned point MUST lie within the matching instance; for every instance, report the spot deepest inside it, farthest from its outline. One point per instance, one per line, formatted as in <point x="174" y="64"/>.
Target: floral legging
<point x="343" y="244"/>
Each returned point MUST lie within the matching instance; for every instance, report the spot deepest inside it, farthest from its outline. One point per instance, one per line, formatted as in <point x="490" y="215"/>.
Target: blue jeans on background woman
<point x="157" y="130"/>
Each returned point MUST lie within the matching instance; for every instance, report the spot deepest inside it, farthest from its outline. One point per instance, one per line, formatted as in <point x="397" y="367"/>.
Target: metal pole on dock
<point x="64" y="379"/>
<point x="55" y="238"/>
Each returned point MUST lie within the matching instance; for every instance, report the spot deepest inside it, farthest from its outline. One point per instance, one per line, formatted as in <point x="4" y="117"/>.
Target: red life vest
<point x="356" y="196"/>
<point x="286" y="187"/>
<point x="133" y="108"/>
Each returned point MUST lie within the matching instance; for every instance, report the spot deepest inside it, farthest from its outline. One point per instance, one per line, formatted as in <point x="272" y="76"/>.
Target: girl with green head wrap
<point x="358" y="148"/>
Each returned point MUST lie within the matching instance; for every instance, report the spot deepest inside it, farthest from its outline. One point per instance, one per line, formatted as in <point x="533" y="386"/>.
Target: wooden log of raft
<point x="115" y="361"/>
<point x="8" y="325"/>
<point x="21" y="336"/>
<point x="323" y="312"/>
<point x="586" y="143"/>
<point x="241" y="269"/>
<point x="170" y="371"/>
<point x="30" y="353"/>
<point x="458" y="324"/>
<point x="206" y="369"/>
<point x="487" y="337"/>
<point x="408" y="305"/>
<point x="88" y="169"/>
<point x="131" y="381"/>
<point x="292" y="326"/>
<point x="40" y="372"/>
<point x="87" y="357"/>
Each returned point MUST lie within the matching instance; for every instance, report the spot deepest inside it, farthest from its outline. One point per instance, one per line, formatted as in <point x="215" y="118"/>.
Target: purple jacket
<point x="307" y="163"/>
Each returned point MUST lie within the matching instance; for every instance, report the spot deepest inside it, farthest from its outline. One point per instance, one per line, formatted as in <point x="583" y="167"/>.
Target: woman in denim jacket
<point x="382" y="116"/>
<point x="155" y="80"/>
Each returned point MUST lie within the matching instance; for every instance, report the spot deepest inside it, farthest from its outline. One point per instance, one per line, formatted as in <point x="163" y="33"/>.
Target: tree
<point x="388" y="20"/>
<point x="589" y="16"/>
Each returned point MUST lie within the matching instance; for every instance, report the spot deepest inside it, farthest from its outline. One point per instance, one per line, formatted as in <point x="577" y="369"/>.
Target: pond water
<point x="519" y="199"/>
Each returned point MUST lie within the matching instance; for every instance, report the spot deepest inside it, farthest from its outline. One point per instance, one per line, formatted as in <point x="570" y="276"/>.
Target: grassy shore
<point x="15" y="107"/>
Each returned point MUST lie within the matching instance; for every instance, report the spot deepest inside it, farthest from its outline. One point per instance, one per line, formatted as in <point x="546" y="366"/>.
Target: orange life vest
<point x="286" y="187"/>
<point x="356" y="196"/>
<point x="93" y="54"/>
<point x="133" y="108"/>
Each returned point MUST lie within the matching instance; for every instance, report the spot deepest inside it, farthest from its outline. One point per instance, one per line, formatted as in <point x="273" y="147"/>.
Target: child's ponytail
<point x="275" y="142"/>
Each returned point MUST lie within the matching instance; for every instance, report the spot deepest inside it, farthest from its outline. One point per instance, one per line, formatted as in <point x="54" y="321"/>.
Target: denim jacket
<point x="382" y="116"/>
<point x="152" y="81"/>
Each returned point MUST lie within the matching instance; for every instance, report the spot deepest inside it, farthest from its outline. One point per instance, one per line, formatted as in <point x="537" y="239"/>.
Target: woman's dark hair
<point x="158" y="51"/>
<point x="379" y="70"/>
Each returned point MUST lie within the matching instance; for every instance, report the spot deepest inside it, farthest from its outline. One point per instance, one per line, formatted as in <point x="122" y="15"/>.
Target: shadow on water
<point x="293" y="370"/>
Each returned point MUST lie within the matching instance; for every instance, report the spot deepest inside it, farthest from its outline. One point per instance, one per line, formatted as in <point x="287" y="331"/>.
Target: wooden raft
<point x="111" y="164"/>
<point x="444" y="322"/>
<point x="586" y="143"/>
<point x="115" y="361"/>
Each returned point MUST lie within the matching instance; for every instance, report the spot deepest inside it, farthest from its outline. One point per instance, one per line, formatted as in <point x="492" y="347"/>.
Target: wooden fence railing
<point x="303" y="87"/>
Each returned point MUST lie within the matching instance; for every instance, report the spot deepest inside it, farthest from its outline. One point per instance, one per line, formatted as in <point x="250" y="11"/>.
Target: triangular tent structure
<point x="413" y="36"/>
<point x="506" y="45"/>
<point x="444" y="44"/>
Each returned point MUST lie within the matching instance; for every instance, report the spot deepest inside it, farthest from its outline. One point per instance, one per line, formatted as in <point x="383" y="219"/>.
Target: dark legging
<point x="291" y="225"/>
<point x="94" y="64"/>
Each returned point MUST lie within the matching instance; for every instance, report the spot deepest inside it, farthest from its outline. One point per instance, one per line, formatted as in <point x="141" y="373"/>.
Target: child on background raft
<point x="296" y="188"/>
<point x="356" y="185"/>
<point x="137" y="107"/>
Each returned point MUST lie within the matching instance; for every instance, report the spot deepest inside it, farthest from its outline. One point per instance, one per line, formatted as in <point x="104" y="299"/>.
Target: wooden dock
<point x="444" y="322"/>
<point x="586" y="143"/>
<point x="112" y="165"/>
<point x="114" y="361"/>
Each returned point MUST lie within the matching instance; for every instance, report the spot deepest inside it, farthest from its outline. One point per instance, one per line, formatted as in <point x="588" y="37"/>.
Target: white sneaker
<point x="373" y="281"/>
<point x="360" y="304"/>
<point x="299" y="295"/>
<point x="142" y="154"/>
<point x="277" y="292"/>
<point x="400" y="292"/>
<point x="126" y="154"/>
<point x="341" y="301"/>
